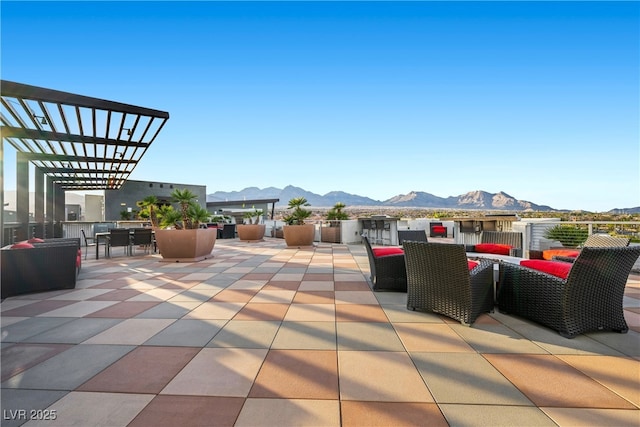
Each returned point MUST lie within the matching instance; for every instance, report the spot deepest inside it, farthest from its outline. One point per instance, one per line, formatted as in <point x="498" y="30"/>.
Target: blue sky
<point x="540" y="100"/>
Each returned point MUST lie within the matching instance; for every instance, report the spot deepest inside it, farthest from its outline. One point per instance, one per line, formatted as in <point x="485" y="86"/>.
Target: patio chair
<point x="411" y="235"/>
<point x="142" y="237"/>
<point x="118" y="237"/>
<point x="88" y="242"/>
<point x="588" y="299"/>
<point x="595" y="241"/>
<point x="497" y="241"/>
<point x="387" y="267"/>
<point x="437" y="229"/>
<point x="439" y="279"/>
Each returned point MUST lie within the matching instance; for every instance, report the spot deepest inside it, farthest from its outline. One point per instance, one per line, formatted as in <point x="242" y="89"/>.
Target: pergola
<point x="75" y="141"/>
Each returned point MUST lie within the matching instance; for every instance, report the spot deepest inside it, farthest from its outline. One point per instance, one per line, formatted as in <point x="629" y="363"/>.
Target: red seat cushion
<point x="378" y="252"/>
<point x="550" y="253"/>
<point x="557" y="268"/>
<point x="35" y="240"/>
<point x="472" y="264"/>
<point x="22" y="245"/>
<point x="493" y="248"/>
<point x="78" y="261"/>
<point x="439" y="228"/>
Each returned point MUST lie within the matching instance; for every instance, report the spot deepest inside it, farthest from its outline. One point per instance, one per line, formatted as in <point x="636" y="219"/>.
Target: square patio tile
<point x="75" y="331"/>
<point x="593" y="417"/>
<point x="381" y="376"/>
<point x="187" y="333"/>
<point x="246" y="334"/>
<point x="95" y="409"/>
<point x="273" y="296"/>
<point x="496" y="339"/>
<point x="360" y="313"/>
<point x="297" y="374"/>
<point x="144" y="370"/>
<point x="69" y="369"/>
<point x="169" y="310"/>
<point x="215" y="310"/>
<point x="368" y="336"/>
<point x="171" y="411"/>
<point x="79" y="309"/>
<point x="314" y="297"/>
<point x="262" y="311"/>
<point x="234" y="295"/>
<point x="313" y="285"/>
<point x="436" y="338"/>
<point x="306" y="335"/>
<point x="311" y="313"/>
<point x="130" y="332"/>
<point x="32" y="326"/>
<point x="124" y="309"/>
<point x="35" y="308"/>
<point x="14" y="400"/>
<point x="289" y="413"/>
<point x="218" y="372"/>
<point x="355" y="297"/>
<point x="18" y="358"/>
<point x="391" y="414"/>
<point x="466" y="378"/>
<point x="548" y="381"/>
<point x="495" y="416"/>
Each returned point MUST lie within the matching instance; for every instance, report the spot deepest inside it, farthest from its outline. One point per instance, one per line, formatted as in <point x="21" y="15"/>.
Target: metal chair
<point x="439" y="280"/>
<point x="141" y="237"/>
<point x="88" y="242"/>
<point x="118" y="237"/>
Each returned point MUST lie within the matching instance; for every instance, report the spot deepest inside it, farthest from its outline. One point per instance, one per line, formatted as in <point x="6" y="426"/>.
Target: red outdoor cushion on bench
<point x="35" y="240"/>
<point x="557" y="268"/>
<point x="438" y="228"/>
<point x="493" y="248"/>
<point x="472" y="264"/>
<point x="378" y="252"/>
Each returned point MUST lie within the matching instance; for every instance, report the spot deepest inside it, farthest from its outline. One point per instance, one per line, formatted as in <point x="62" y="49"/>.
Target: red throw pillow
<point x="35" y="240"/>
<point x="439" y="229"/>
<point x="78" y="261"/>
<point x="472" y="264"/>
<point x="557" y="268"/>
<point x="378" y="252"/>
<point x="550" y="253"/>
<point x="493" y="248"/>
<point x="22" y="245"/>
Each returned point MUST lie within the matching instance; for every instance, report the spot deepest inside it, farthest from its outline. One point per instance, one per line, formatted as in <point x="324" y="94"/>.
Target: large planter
<point x="299" y="235"/>
<point x="250" y="232"/>
<point x="186" y="245"/>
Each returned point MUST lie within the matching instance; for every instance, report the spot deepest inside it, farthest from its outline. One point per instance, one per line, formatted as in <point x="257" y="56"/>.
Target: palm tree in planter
<point x="180" y="238"/>
<point x="149" y="209"/>
<point x="296" y="232"/>
<point x="252" y="230"/>
<point x="332" y="233"/>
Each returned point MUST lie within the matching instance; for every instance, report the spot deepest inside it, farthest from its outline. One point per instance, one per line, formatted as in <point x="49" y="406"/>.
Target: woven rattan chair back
<point x="605" y="241"/>
<point x="411" y="235"/>
<point x="119" y="237"/>
<point x="388" y="273"/>
<point x="439" y="280"/>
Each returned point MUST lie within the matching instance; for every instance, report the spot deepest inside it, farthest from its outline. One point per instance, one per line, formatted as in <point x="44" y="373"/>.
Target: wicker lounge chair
<point x="387" y="271"/>
<point x="411" y="235"/>
<point x="439" y="280"/>
<point x="511" y="238"/>
<point x="589" y="299"/>
<point x="597" y="241"/>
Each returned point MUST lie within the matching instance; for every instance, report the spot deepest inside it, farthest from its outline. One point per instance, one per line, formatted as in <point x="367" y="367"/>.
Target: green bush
<point x="568" y="235"/>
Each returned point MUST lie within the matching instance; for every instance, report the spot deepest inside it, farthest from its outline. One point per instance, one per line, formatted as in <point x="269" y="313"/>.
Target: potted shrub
<point x="253" y="229"/>
<point x="332" y="232"/>
<point x="296" y="232"/>
<point x="178" y="233"/>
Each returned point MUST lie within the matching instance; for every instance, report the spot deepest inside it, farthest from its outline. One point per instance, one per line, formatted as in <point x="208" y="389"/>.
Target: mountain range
<point x="415" y="199"/>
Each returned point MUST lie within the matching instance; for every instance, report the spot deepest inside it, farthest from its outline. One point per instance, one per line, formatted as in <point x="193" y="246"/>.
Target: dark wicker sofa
<point x="439" y="280"/>
<point x="387" y="272"/>
<point x="589" y="299"/>
<point x="51" y="265"/>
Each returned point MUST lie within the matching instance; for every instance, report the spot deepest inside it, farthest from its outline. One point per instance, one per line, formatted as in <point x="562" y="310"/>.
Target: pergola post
<point x="22" y="197"/>
<point x="49" y="218"/>
<point x="39" y="202"/>
<point x="58" y="210"/>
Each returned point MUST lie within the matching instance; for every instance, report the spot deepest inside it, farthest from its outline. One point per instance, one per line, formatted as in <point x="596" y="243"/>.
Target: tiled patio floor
<point x="262" y="335"/>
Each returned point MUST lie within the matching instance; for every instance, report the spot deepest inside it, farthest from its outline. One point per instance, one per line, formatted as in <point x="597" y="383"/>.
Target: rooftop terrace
<point x="265" y="335"/>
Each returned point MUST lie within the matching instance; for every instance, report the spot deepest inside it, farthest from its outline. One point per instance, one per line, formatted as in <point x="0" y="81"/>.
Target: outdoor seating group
<point x="127" y="238"/>
<point x="571" y="298"/>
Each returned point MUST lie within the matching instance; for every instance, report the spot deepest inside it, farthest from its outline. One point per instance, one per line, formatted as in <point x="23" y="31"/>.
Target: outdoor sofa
<point x="39" y="265"/>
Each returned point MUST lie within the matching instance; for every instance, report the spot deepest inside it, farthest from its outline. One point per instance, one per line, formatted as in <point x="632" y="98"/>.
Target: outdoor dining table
<point x="103" y="235"/>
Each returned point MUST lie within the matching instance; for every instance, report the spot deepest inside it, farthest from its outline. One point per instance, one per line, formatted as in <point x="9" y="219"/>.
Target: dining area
<point x="130" y="240"/>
